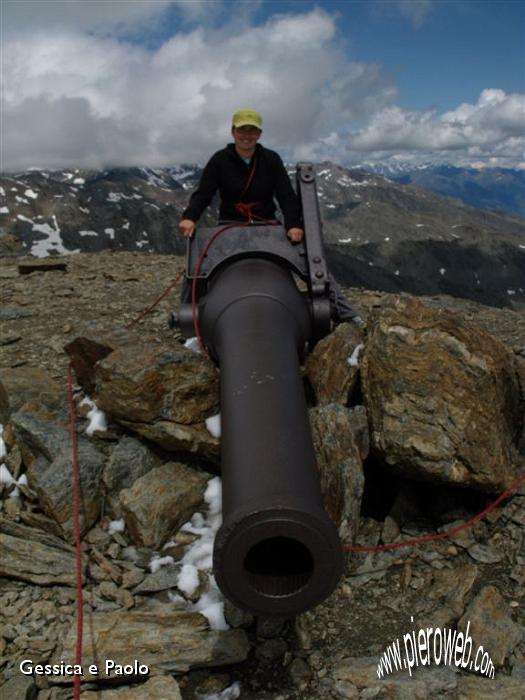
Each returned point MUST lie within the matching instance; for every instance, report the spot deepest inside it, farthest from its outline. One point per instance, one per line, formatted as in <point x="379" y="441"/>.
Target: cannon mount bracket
<point x="305" y="259"/>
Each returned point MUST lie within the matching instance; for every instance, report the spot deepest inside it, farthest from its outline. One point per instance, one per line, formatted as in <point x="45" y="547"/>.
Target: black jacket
<point x="228" y="173"/>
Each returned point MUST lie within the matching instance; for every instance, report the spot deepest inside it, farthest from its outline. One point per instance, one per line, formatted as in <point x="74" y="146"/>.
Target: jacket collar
<point x="257" y="152"/>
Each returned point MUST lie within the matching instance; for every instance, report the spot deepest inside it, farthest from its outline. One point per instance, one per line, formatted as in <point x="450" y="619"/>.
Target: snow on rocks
<point x="97" y="418"/>
<point x="51" y="243"/>
<point x="353" y="360"/>
<point x="213" y="424"/>
<point x="88" y="233"/>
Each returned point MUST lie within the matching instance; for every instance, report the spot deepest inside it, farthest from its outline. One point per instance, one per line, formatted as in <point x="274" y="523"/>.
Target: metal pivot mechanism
<point x="277" y="551"/>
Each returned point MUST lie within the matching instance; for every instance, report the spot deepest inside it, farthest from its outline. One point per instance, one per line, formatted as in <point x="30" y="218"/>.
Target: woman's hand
<point x="296" y="235"/>
<point x="187" y="227"/>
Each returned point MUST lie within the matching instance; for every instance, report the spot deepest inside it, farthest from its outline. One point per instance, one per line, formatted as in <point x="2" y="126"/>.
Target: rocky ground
<point x="330" y="652"/>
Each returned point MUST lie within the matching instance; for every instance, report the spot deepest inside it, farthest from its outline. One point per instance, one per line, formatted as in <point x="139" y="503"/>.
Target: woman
<point x="245" y="198"/>
<point x="248" y="177"/>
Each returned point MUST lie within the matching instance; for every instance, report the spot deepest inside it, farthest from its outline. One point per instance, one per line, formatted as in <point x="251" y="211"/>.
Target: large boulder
<point x="161" y="501"/>
<point x="129" y="460"/>
<point x="491" y="625"/>
<point x="93" y="345"/>
<point x="159" y="636"/>
<point x="176" y="437"/>
<point x="442" y="397"/>
<point x="332" y="367"/>
<point x="34" y="556"/>
<point x="340" y="465"/>
<point x="43" y="438"/>
<point x="164" y="392"/>
<point x="150" y="382"/>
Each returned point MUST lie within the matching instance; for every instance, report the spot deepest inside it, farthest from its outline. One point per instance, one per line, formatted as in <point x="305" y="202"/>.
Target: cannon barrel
<point x="277" y="551"/>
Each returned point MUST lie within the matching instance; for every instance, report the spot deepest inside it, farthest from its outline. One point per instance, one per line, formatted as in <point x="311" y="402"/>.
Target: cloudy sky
<point x="94" y="83"/>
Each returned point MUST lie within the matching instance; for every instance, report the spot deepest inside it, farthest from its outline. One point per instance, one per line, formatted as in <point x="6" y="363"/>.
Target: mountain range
<point x="379" y="233"/>
<point x="498" y="189"/>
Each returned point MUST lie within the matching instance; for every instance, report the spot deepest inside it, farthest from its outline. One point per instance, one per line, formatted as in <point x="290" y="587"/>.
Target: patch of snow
<point x="4" y="210"/>
<point x="521" y="246"/>
<point x="511" y="292"/>
<point x="53" y="242"/>
<point x="330" y="206"/>
<point x="353" y="360"/>
<point x="116" y="526"/>
<point x="344" y="240"/>
<point x="84" y="210"/>
<point x="442" y="271"/>
<point x="232" y="692"/>
<point x="387" y="238"/>
<point x="396" y="273"/>
<point x="420" y="225"/>
<point x="200" y="554"/>
<point x="79" y="181"/>
<point x="115" y="197"/>
<point x="213" y="424"/>
<point x="193" y="345"/>
<point x="154" y="179"/>
<point x="96" y="417"/>
<point x="88" y="233"/>
<point x="110" y="232"/>
<point x="2" y="192"/>
<point x="31" y="194"/>
<point x="188" y="579"/>
<point x="126" y="225"/>
<point x="157" y="562"/>
<point x="5" y="475"/>
<point x="21" y="200"/>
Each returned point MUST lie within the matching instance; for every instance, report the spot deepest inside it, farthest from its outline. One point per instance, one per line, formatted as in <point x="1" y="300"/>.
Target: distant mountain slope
<point x="379" y="234"/>
<point x="498" y="189"/>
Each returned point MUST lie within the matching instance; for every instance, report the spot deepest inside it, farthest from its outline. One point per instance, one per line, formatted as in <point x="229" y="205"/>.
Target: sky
<point x="103" y="83"/>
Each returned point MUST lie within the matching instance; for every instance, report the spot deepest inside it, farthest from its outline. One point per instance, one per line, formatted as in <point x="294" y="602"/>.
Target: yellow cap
<point x="247" y="117"/>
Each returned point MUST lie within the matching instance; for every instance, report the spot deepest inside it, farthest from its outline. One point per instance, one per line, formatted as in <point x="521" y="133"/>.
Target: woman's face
<point x="246" y="137"/>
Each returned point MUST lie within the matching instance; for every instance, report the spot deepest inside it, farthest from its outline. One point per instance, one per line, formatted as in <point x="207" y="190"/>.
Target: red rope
<point x="76" y="494"/>
<point x="168" y="289"/>
<point x="447" y="533"/>
<point x="76" y="528"/>
<point x="194" y="283"/>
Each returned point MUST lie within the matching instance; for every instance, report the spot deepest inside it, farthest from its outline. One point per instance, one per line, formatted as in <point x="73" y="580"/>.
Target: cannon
<point x="277" y="551"/>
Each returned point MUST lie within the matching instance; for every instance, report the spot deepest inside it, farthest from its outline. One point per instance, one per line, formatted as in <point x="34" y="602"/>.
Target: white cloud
<point x="492" y="130"/>
<point x="117" y="103"/>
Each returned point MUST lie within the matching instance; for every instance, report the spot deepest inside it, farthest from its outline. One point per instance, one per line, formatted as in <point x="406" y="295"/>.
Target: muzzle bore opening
<point x="278" y="566"/>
